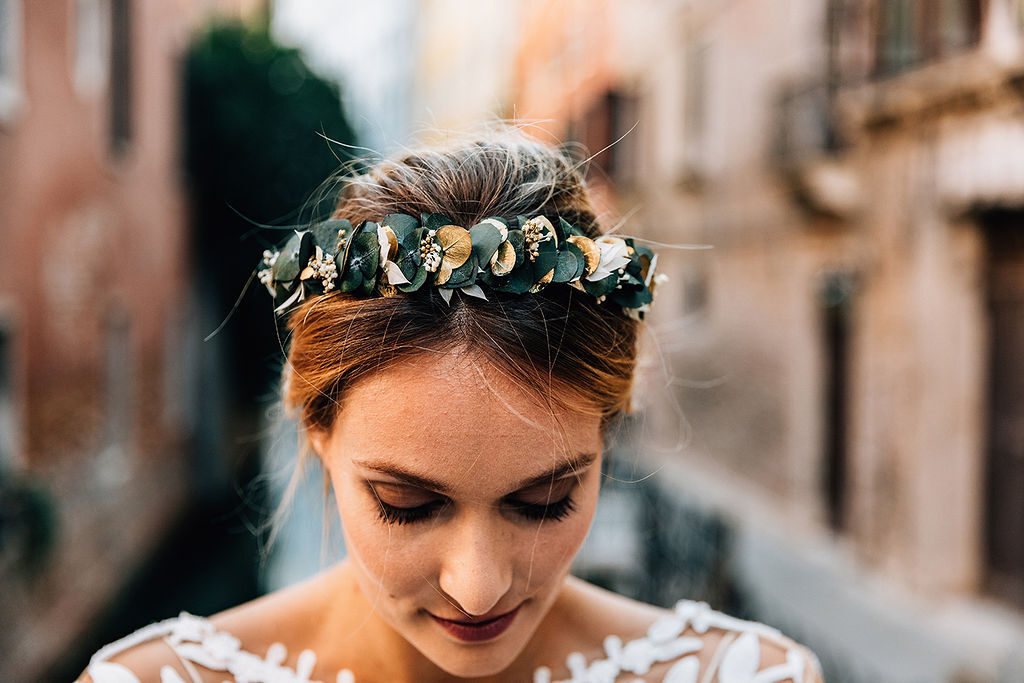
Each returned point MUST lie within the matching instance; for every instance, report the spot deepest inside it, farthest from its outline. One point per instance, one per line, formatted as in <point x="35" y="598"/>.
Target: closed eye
<point x="553" y="511"/>
<point x="402" y="504"/>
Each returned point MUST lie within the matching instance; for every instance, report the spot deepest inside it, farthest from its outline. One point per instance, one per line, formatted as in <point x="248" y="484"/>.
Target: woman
<point x="462" y="337"/>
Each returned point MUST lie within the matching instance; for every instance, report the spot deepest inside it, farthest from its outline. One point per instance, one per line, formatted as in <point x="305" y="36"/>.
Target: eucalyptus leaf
<point x="325" y="234"/>
<point x="408" y="257"/>
<point x="474" y="290"/>
<point x="351" y="280"/>
<point x="464" y="275"/>
<point x="403" y="224"/>
<point x="435" y="220"/>
<point x="602" y="287"/>
<point x="547" y="259"/>
<point x="417" y="280"/>
<point x="486" y="239"/>
<point x="642" y="249"/>
<point x="568" y="229"/>
<point x="633" y="298"/>
<point x="287" y="266"/>
<point x="517" y="239"/>
<point x="366" y="254"/>
<point x="570" y="263"/>
<point x="305" y="247"/>
<point x="342" y="260"/>
<point x="519" y="281"/>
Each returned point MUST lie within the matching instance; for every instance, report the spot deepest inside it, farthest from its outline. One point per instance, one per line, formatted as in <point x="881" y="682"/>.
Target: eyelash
<point x="554" y="512"/>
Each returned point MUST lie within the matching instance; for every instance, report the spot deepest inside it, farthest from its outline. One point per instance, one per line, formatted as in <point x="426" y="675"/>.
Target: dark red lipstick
<point x="477" y="631"/>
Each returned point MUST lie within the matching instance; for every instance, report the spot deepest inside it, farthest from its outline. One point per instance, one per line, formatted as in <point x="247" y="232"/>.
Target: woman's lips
<point x="477" y="631"/>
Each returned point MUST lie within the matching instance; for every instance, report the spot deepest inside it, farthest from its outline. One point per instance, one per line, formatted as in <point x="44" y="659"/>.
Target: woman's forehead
<point x="453" y="413"/>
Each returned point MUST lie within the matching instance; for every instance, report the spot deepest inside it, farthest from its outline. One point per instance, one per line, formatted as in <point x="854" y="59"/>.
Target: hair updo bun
<point x="559" y="343"/>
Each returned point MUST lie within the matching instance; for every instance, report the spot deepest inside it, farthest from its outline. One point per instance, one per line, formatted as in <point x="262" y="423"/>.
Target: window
<point x="91" y="50"/>
<point x="8" y="415"/>
<point x="1004" y="488"/>
<point x="835" y="300"/>
<point x="120" y="76"/>
<point x="10" y="58"/>
<point x="913" y="32"/>
<point x="609" y="132"/>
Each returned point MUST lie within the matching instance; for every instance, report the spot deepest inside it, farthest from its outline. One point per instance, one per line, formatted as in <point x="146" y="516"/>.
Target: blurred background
<point x="832" y="436"/>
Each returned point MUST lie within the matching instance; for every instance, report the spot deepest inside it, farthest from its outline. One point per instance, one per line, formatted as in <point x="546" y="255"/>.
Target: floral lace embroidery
<point x="664" y="643"/>
<point x="195" y="640"/>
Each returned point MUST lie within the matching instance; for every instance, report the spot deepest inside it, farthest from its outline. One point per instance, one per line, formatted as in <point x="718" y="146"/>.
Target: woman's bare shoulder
<point x="599" y="611"/>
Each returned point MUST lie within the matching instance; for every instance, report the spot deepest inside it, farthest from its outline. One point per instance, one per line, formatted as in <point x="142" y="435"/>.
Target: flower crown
<point x="402" y="254"/>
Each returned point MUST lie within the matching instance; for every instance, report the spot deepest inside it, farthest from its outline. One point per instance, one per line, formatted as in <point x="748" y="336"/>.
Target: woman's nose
<point x="477" y="569"/>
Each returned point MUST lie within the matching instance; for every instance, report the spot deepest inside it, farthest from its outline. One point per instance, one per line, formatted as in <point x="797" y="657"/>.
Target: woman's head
<point x="559" y="342"/>
<point x="463" y="439"/>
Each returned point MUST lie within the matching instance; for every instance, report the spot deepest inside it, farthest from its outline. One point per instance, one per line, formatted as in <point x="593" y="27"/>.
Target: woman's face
<point x="463" y="505"/>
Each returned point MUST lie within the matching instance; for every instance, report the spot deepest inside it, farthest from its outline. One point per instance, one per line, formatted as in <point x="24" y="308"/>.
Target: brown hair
<point x="559" y="343"/>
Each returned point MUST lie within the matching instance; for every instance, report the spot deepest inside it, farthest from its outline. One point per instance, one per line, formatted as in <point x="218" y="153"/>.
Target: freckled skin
<point x="457" y="421"/>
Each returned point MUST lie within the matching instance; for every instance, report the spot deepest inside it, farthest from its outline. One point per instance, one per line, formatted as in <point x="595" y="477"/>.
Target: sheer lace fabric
<point x="736" y="659"/>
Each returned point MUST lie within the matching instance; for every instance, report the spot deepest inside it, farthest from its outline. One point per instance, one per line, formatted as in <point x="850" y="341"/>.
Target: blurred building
<point x="848" y="357"/>
<point x="98" y="341"/>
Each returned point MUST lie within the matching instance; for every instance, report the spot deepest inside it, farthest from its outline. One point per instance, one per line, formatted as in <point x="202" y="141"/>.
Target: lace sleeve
<point x="196" y="642"/>
<point x="748" y="652"/>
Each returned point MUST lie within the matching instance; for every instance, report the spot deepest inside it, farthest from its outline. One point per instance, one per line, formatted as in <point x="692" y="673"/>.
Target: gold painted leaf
<point x="392" y="242"/>
<point x="456" y="243"/>
<point x="591" y="253"/>
<point x="547" y="277"/>
<point x="504" y="259"/>
<point x="443" y="273"/>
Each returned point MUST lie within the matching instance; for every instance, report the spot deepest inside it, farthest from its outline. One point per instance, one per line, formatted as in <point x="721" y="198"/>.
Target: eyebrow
<point x="573" y="464"/>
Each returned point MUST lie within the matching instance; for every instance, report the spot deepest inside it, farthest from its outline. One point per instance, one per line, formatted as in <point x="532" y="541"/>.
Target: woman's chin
<point x="473" y="660"/>
<point x="475" y="664"/>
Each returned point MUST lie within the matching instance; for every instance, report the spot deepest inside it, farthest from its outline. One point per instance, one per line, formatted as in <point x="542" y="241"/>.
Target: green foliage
<point x="254" y="113"/>
<point x="255" y="119"/>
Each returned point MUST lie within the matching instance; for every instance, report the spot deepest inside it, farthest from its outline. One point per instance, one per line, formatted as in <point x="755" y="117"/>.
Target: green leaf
<point x="416" y="281"/>
<point x="568" y="229"/>
<point x="641" y="249"/>
<point x="486" y="239"/>
<point x="517" y="239"/>
<point x="631" y="298"/>
<point x="287" y="266"/>
<point x="351" y="280"/>
<point x="570" y="263"/>
<point x="305" y="248"/>
<point x="366" y="254"/>
<point x="401" y="223"/>
<point x="368" y="228"/>
<point x="602" y="287"/>
<point x="342" y="259"/>
<point x="519" y="281"/>
<point x="325" y="234"/>
<point x="435" y="220"/>
<point x="464" y="275"/>
<point x="408" y="256"/>
<point x="547" y="259"/>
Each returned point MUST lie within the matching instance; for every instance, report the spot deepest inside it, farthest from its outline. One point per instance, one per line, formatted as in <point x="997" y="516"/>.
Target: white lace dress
<point x="737" y="657"/>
